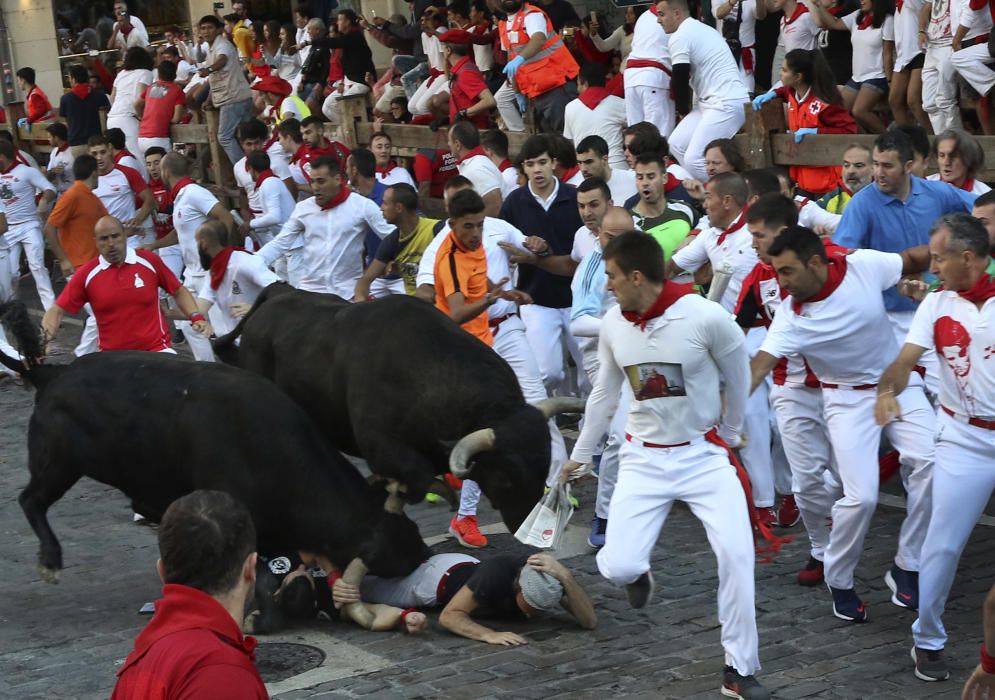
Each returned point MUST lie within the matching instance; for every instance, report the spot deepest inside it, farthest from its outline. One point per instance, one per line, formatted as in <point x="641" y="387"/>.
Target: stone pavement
<point x="67" y="640"/>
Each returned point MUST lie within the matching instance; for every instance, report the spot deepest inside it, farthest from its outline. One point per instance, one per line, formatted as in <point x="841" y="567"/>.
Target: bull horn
<point x="478" y="441"/>
<point x="561" y="404"/>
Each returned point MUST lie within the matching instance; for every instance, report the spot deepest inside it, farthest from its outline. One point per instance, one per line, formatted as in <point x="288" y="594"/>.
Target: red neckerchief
<point x="434" y="73"/>
<point x="13" y="164"/>
<point x="567" y="174"/>
<point x="652" y="10"/>
<point x="263" y="176"/>
<point x="120" y="155"/>
<point x="298" y="154"/>
<point x="672" y="183"/>
<point x="505" y="164"/>
<point x="81" y="91"/>
<point x="898" y="5"/>
<point x="594" y="96"/>
<point x="737" y="224"/>
<point x="968" y="184"/>
<point x="177" y="188"/>
<point x="800" y="9"/>
<point x="219" y="264"/>
<point x="670" y="293"/>
<point x="982" y="290"/>
<point x="478" y="151"/>
<point x="836" y="269"/>
<point x="865" y="20"/>
<point x="343" y="194"/>
<point x="385" y="169"/>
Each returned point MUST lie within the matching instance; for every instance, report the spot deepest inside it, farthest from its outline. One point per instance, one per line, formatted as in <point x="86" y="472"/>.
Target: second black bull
<point x="398" y="383"/>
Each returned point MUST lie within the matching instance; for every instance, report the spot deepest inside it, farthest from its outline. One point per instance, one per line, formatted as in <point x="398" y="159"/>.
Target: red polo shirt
<point x="191" y="649"/>
<point x="124" y="299"/>
<point x="436" y="166"/>
<point x="465" y="86"/>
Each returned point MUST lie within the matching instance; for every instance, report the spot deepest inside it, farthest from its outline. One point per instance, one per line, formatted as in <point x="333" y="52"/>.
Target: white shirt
<point x="396" y="176"/>
<point x="803" y="33"/>
<point x="127" y="86"/>
<point x="548" y="201"/>
<point x="495" y="231"/>
<point x="939" y="31"/>
<point x="975" y="21"/>
<point x="683" y="345"/>
<point x="115" y="191"/>
<point x="811" y="215"/>
<point x="138" y="36"/>
<point x="331" y="242"/>
<point x="279" y="161"/>
<point x="963" y="336"/>
<point x="606" y="120"/>
<point x="868" y="49"/>
<point x="65" y="158"/>
<point x="846" y="337"/>
<point x="535" y="23"/>
<point x="584" y="240"/>
<point x="622" y="184"/>
<point x="714" y="73"/>
<point x="978" y="188"/>
<point x="509" y="181"/>
<point x="481" y="171"/>
<point x="736" y="253"/>
<point x="748" y="27"/>
<point x="433" y="51"/>
<point x="907" y="32"/>
<point x="17" y="192"/>
<point x="276" y="204"/>
<point x="191" y="208"/>
<point x="246" y="276"/>
<point x="650" y="43"/>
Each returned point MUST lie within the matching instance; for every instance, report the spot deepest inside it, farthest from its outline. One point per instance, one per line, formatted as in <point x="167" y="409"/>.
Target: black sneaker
<point x="599" y="526"/>
<point x="929" y="665"/>
<point x="847" y="605"/>
<point x="178" y="337"/>
<point x="742" y="687"/>
<point x="904" y="587"/>
<point x="640" y="591"/>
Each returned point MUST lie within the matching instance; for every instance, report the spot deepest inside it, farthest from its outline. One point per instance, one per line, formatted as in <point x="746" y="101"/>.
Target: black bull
<point x="398" y="383"/>
<point x="157" y="427"/>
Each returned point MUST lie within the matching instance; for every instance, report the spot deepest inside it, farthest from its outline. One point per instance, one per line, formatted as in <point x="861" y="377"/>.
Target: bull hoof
<point x="48" y="575"/>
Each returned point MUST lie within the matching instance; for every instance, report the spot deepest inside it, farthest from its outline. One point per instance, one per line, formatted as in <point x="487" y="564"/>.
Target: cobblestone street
<point x="67" y="640"/>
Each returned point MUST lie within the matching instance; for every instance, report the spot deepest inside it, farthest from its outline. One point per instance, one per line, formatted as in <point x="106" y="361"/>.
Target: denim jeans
<point x="230" y="116"/>
<point x="413" y="77"/>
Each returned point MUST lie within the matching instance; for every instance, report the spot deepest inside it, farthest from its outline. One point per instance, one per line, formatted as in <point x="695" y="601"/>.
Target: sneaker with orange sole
<point x="466" y="532"/>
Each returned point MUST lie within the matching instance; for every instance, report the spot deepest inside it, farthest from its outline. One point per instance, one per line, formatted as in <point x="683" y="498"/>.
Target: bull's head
<point x="510" y="461"/>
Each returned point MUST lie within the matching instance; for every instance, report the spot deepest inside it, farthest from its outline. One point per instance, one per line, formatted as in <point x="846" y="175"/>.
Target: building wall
<point x="31" y="28"/>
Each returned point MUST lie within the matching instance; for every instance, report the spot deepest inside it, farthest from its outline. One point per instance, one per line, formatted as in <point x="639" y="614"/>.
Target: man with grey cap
<point x="503" y="587"/>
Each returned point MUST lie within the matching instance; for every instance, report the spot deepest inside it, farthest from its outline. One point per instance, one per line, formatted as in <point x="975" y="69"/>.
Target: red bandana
<point x="800" y="9"/>
<point x="121" y="155"/>
<point x="982" y="290"/>
<point x="343" y="194"/>
<point x="670" y="293"/>
<point x="219" y="264"/>
<point x="968" y="184"/>
<point x="505" y="164"/>
<point x="594" y="96"/>
<point x="739" y="223"/>
<point x="263" y="176"/>
<point x="298" y="154"/>
<point x="177" y="188"/>
<point x="672" y="183"/>
<point x="385" y="169"/>
<point x="567" y="174"/>
<point x="865" y="20"/>
<point x="81" y="91"/>
<point x="836" y="269"/>
<point x="478" y="151"/>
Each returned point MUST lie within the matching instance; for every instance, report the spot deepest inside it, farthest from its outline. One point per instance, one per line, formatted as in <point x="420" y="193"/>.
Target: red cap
<point x="274" y="84"/>
<point x="456" y="36"/>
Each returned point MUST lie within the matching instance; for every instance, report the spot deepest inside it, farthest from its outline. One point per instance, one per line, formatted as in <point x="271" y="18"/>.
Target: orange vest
<point x="550" y="68"/>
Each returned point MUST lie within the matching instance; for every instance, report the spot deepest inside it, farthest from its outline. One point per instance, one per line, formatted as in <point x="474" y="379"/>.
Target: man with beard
<point x="857" y="174"/>
<point x="539" y="67"/>
<point x="592" y="158"/>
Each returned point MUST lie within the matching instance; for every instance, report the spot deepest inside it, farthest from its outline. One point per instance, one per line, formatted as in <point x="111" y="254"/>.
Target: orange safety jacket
<point x="552" y="67"/>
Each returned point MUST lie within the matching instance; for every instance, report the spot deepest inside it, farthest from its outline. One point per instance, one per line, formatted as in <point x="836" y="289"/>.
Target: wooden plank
<point x="407" y="138"/>
<point x="352" y="110"/>
<point x="189" y="133"/>
<point x="221" y="168"/>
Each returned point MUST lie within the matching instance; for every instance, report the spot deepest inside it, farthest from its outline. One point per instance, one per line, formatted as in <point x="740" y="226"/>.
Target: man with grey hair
<point x="956" y="321"/>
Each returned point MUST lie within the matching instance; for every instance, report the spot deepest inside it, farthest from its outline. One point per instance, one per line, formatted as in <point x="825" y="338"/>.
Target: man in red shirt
<point x="469" y="96"/>
<point x="433" y="167"/>
<point x="159" y="105"/>
<point x="122" y="287"/>
<point x="36" y="103"/>
<point x="193" y="647"/>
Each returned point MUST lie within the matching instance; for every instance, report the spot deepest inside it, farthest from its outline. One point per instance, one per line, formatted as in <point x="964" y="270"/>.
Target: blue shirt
<point x="588" y="285"/>
<point x="372" y="240"/>
<point x="883" y="222"/>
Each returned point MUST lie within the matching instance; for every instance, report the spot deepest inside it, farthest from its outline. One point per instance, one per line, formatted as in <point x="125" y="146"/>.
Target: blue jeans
<point x="413" y="77"/>
<point x="230" y="116"/>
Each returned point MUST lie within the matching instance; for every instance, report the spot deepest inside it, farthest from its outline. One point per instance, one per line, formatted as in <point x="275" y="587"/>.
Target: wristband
<point x="987" y="661"/>
<point x="405" y="613"/>
<point x="196" y="316"/>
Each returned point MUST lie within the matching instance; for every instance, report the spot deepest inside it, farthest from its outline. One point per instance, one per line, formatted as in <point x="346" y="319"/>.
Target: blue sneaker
<point x="847" y="605"/>
<point x="904" y="587"/>
<point x="598" y="528"/>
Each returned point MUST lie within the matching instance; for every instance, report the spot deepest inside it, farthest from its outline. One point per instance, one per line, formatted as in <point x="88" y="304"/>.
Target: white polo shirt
<point x="714" y="73"/>
<point x="735" y="253"/>
<point x="670" y="368"/>
<point x="481" y="171"/>
<point x="606" y="120"/>
<point x="846" y="337"/>
<point x="330" y="242"/>
<point x="964" y="337"/>
<point x="191" y="208"/>
<point x="246" y="276"/>
<point x="17" y="192"/>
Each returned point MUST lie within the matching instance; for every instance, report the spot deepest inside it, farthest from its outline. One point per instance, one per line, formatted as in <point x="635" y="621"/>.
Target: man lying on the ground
<point x="505" y="587"/>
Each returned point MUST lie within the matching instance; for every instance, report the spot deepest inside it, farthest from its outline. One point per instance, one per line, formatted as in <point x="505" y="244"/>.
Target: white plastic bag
<point x="545" y="525"/>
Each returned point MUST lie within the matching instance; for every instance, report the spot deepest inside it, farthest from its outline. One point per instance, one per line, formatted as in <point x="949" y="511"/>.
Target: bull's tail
<point x="15" y="318"/>
<point x="224" y="347"/>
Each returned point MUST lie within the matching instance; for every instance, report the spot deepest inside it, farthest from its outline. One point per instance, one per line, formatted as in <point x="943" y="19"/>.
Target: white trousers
<point x="649" y="481"/>
<point x="939" y="89"/>
<point x="330" y="107"/>
<point x="963" y="481"/>
<point x="129" y="125"/>
<point x="27" y="236"/>
<point x="146" y="142"/>
<point x="975" y="64"/>
<point x="756" y="454"/>
<point x="200" y="345"/>
<point x="650" y="104"/>
<point x="89" y="340"/>
<point x="855" y="439"/>
<point x="547" y="330"/>
<point x="389" y="93"/>
<point x="172" y="256"/>
<point x="507" y="105"/>
<point x="805" y="438"/>
<point x="697" y="129"/>
<point x="384" y="288"/>
<point x="416" y="590"/>
<point x="608" y="468"/>
<point x="418" y="104"/>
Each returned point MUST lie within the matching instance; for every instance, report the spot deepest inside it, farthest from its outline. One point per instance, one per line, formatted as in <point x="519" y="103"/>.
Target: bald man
<point x="122" y="286"/>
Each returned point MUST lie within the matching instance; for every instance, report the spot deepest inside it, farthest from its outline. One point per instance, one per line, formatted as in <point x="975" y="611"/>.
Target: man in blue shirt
<point x="361" y="169"/>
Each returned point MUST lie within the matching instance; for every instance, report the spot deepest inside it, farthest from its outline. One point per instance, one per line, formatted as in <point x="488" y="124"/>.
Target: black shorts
<point x="916" y="63"/>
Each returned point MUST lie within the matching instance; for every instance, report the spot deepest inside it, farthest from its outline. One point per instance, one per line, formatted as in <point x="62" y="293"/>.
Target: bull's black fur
<point x="398" y="383"/>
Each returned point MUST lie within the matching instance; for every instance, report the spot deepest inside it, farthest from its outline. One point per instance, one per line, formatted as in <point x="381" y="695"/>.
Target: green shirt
<point x="669" y="229"/>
